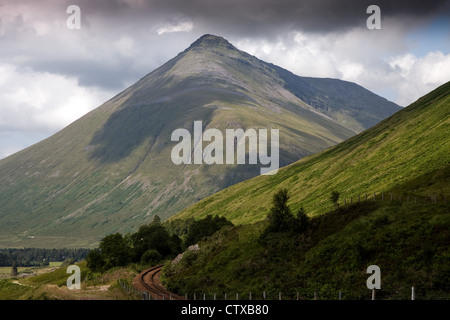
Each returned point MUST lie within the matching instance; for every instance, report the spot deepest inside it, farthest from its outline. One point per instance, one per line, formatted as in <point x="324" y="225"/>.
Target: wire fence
<point x="412" y="293"/>
<point x="386" y="197"/>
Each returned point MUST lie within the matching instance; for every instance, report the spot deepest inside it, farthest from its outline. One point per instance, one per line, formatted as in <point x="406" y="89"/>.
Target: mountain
<point x="348" y="103"/>
<point x="407" y="153"/>
<point x="112" y="169"/>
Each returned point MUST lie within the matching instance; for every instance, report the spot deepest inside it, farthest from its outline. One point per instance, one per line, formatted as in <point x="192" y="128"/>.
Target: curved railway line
<point x="148" y="281"/>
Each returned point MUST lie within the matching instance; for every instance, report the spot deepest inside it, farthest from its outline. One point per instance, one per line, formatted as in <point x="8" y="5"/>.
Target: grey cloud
<point x="266" y="17"/>
<point x="105" y="21"/>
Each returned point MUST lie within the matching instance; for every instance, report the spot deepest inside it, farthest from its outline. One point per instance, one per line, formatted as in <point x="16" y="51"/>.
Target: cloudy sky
<point x="52" y="74"/>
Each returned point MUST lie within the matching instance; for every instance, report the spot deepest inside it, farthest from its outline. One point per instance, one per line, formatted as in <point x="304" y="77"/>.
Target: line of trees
<point x="156" y="241"/>
<point x="152" y="243"/>
<point x="29" y="257"/>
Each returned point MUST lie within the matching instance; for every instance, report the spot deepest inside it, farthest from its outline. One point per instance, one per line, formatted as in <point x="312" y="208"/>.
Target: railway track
<point x="149" y="281"/>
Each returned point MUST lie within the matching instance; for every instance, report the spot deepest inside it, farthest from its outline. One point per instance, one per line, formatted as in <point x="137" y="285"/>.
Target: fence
<point x="382" y="294"/>
<point x="128" y="288"/>
<point x="412" y="293"/>
<point x="381" y="196"/>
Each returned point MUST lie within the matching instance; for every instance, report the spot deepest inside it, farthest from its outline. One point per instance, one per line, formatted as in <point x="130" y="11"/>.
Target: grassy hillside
<point x="52" y="286"/>
<point x="406" y="156"/>
<point x="408" y="241"/>
<point x="405" y="150"/>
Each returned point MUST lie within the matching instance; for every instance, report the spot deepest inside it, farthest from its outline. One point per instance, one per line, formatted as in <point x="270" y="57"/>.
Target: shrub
<point x="151" y="257"/>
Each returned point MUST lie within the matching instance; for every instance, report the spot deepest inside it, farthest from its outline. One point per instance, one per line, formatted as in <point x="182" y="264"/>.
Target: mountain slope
<point x="339" y="100"/>
<point x="406" y="155"/>
<point x="403" y="154"/>
<point x="111" y="170"/>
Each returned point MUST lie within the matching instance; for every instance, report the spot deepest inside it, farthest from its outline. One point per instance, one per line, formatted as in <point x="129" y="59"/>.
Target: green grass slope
<point x="407" y="240"/>
<point x="406" y="150"/>
<point x="408" y="237"/>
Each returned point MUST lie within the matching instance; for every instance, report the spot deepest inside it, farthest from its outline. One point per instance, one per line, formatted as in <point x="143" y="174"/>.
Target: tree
<point x="280" y="216"/>
<point x="335" y="198"/>
<point x="204" y="228"/>
<point x="151" y="236"/>
<point x="302" y="221"/>
<point x="156" y="219"/>
<point x="114" y="250"/>
<point x="151" y="257"/>
<point x="95" y="260"/>
<point x="14" y="271"/>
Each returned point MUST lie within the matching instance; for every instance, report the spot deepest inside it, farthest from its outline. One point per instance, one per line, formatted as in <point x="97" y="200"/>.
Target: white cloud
<point x="35" y="100"/>
<point x="41" y="103"/>
<point x="185" y="25"/>
<point x="416" y="76"/>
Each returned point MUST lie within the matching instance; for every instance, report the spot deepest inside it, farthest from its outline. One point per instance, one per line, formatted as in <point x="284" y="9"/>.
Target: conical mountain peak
<point x="211" y="41"/>
<point x="120" y="172"/>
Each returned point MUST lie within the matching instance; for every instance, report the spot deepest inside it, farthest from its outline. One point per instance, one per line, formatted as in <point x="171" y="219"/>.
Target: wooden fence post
<point x="413" y="294"/>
